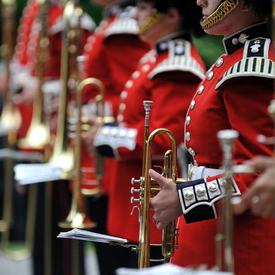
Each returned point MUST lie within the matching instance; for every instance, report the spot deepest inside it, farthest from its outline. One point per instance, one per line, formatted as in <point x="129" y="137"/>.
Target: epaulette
<point x="255" y="62"/>
<point x="179" y="59"/>
<point x="123" y="24"/>
<point x="86" y="23"/>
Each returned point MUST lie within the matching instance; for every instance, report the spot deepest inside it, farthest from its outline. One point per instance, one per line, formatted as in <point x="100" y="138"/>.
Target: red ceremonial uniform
<point x="25" y="61"/>
<point x="235" y="95"/>
<point x="20" y="60"/>
<point x="167" y="75"/>
<point x="105" y="60"/>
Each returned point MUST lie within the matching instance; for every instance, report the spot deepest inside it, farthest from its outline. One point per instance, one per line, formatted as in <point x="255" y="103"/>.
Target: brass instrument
<point x="99" y="160"/>
<point x="77" y="217"/>
<point x="10" y="119"/>
<point x="225" y="238"/>
<point x="62" y="155"/>
<point x="147" y="188"/>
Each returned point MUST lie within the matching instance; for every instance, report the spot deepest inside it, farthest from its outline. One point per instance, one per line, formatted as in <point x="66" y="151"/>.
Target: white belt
<point x="198" y="172"/>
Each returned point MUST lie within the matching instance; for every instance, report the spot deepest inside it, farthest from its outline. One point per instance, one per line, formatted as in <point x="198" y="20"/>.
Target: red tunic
<point x="162" y="76"/>
<point x="20" y="59"/>
<point x="27" y="50"/>
<point x="236" y="100"/>
<point x="105" y="60"/>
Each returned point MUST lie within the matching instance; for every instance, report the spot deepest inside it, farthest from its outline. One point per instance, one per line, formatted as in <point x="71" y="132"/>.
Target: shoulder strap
<point x="255" y="62"/>
<point x="123" y="24"/>
<point x="179" y="59"/>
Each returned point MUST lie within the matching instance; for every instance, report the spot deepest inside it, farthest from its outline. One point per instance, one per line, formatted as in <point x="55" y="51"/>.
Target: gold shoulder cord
<point x="223" y="9"/>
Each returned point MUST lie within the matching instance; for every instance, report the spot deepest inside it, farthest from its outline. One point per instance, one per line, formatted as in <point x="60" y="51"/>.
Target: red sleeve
<point x="247" y="109"/>
<point x="106" y="61"/>
<point x="170" y="102"/>
<point x="96" y="63"/>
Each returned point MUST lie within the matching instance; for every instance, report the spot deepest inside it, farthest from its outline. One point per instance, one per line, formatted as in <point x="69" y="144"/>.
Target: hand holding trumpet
<point x="166" y="203"/>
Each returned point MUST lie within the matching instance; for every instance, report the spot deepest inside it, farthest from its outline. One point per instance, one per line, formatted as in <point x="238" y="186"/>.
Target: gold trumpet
<point x="10" y="119"/>
<point x="147" y="188"/>
<point x="62" y="155"/>
<point x="10" y="122"/>
<point x="77" y="217"/>
<point x="99" y="160"/>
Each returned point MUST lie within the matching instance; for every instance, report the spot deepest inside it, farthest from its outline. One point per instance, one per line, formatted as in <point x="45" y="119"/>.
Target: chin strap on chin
<point x="218" y="15"/>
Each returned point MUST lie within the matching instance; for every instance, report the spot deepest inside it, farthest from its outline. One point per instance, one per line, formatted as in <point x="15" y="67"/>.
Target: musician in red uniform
<point x="167" y="75"/>
<point x="20" y="75"/>
<point x="235" y="95"/>
<point x="35" y="18"/>
<point x="104" y="59"/>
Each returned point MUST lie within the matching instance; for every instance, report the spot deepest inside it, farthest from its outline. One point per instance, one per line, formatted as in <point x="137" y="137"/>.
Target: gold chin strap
<point x="150" y="21"/>
<point x="218" y="15"/>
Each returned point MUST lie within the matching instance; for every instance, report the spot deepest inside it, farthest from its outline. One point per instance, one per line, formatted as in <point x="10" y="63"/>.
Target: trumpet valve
<point x="134" y="190"/>
<point x="134" y="200"/>
<point x="135" y="181"/>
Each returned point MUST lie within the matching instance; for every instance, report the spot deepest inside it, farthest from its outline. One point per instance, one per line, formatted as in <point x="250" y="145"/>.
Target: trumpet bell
<point x="17" y="252"/>
<point x="10" y="120"/>
<point x="37" y="138"/>
<point x="77" y="219"/>
<point x="64" y="160"/>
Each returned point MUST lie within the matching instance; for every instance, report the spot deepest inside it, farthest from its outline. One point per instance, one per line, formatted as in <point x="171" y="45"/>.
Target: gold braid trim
<point x="149" y="21"/>
<point x="217" y="16"/>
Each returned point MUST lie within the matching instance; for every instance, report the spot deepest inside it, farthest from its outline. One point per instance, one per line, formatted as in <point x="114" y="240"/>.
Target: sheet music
<point x="36" y="173"/>
<point x="170" y="269"/>
<point x="85" y="235"/>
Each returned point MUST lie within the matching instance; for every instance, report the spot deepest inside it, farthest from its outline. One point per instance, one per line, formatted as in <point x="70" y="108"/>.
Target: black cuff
<point x="105" y="151"/>
<point x="198" y="197"/>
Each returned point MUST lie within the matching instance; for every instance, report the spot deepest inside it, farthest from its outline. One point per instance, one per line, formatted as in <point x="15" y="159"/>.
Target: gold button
<point x="219" y="62"/>
<point x="192" y="104"/>
<point x="187" y="120"/>
<point x="120" y="118"/>
<point x="209" y="75"/>
<point x="145" y="67"/>
<point x="123" y="94"/>
<point x="136" y="74"/>
<point x="129" y="84"/>
<point x="200" y="89"/>
<point x="122" y="107"/>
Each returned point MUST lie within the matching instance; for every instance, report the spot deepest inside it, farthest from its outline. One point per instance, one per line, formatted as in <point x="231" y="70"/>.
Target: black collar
<point x="237" y="40"/>
<point x="163" y="44"/>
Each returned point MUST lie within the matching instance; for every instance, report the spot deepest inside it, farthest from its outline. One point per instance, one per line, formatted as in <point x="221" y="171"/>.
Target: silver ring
<point x="255" y="200"/>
